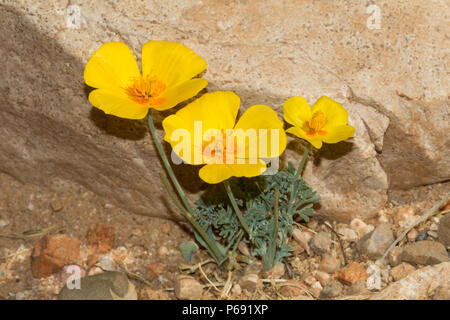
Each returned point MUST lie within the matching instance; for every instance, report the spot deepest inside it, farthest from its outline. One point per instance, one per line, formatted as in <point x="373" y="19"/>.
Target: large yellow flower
<point x="326" y="121"/>
<point x="206" y="132"/>
<point x="166" y="79"/>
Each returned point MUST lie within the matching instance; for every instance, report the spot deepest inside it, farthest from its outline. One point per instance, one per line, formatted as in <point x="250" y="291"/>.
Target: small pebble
<point x="320" y="243"/>
<point x="250" y="282"/>
<point x="322" y="277"/>
<point x="331" y="290"/>
<point x="316" y="289"/>
<point x="3" y="223"/>
<point x="412" y="235"/>
<point x="373" y="282"/>
<point x="187" y="288"/>
<point x="422" y="236"/>
<point x="163" y="251"/>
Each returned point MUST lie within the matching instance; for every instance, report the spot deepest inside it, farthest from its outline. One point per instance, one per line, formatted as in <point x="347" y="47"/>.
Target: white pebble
<point x="373" y="282"/>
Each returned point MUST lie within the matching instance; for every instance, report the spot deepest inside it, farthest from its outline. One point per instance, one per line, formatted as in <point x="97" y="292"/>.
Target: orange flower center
<point x="315" y="125"/>
<point x="217" y="148"/>
<point x="146" y="91"/>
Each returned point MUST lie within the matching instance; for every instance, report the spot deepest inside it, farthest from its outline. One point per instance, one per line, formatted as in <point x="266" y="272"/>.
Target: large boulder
<point x="392" y="80"/>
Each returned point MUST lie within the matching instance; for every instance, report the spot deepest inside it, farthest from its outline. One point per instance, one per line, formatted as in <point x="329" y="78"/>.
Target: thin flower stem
<point x="235" y="206"/>
<point x="273" y="245"/>
<point x="190" y="212"/>
<point x="303" y="161"/>
<point x="298" y="174"/>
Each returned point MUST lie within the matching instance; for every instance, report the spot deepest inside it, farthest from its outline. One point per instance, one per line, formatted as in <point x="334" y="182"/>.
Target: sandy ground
<point x="145" y="246"/>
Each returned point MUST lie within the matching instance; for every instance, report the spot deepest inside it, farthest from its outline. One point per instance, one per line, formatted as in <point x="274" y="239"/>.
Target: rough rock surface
<point x="104" y="286"/>
<point x="425" y="252"/>
<point x="444" y="230"/>
<point x="432" y="282"/>
<point x="187" y="288"/>
<point x="376" y="242"/>
<point x="52" y="252"/>
<point x="392" y="80"/>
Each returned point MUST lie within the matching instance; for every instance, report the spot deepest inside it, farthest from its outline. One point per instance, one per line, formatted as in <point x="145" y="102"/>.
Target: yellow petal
<point x="170" y="62"/>
<point x="338" y="133"/>
<point x="316" y="141"/>
<point x="215" y="173"/>
<point x="335" y="113"/>
<point x="117" y="104"/>
<point x="296" y="111"/>
<point x="111" y="66"/>
<point x="264" y="121"/>
<point x="184" y="91"/>
<point x="216" y="110"/>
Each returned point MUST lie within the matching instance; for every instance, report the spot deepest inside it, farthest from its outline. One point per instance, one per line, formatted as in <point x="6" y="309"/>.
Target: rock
<point x="163" y="251"/>
<point x="302" y="238"/>
<point x="250" y="282"/>
<point x="401" y="271"/>
<point x="52" y="252"/>
<point x="421" y="284"/>
<point x="356" y="181"/>
<point x="3" y="223"/>
<point x="329" y="264"/>
<point x="105" y="286"/>
<point x="395" y="256"/>
<point x="373" y="281"/>
<point x="359" y="287"/>
<point x="404" y="215"/>
<point x="187" y="288"/>
<point x="347" y="234"/>
<point x="375" y="243"/>
<point x="441" y="293"/>
<point x="309" y="280"/>
<point x="444" y="230"/>
<point x="425" y="252"/>
<point x="322" y="277"/>
<point x="101" y="238"/>
<point x="360" y="227"/>
<point x="147" y="293"/>
<point x="316" y="289"/>
<point x="422" y="236"/>
<point x="331" y="290"/>
<point x="432" y="234"/>
<point x="412" y="235"/>
<point x="350" y="274"/>
<point x="276" y="272"/>
<point x="156" y="268"/>
<point x="292" y="289"/>
<point x="49" y="38"/>
<point x="57" y="204"/>
<point x="320" y="243"/>
<point x="107" y="263"/>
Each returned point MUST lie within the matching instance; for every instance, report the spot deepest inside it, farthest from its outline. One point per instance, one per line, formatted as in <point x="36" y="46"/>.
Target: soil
<point x="147" y="247"/>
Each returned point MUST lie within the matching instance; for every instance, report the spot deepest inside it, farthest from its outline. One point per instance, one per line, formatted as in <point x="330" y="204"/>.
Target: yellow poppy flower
<point x="326" y="121"/>
<point x="166" y="79"/>
<point x="206" y="132"/>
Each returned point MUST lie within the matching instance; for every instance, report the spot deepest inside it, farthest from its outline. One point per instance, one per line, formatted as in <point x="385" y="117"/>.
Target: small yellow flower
<point x="326" y="121"/>
<point x="166" y="79"/>
<point x="206" y="132"/>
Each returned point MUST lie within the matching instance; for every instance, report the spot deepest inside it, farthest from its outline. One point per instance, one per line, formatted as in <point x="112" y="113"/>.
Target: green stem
<point x="303" y="161"/>
<point x="298" y="174"/>
<point x="273" y="245"/>
<point x="235" y="206"/>
<point x="190" y="212"/>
